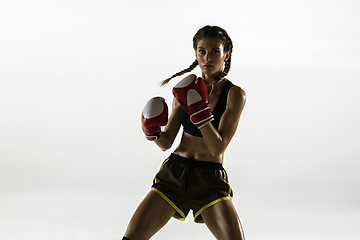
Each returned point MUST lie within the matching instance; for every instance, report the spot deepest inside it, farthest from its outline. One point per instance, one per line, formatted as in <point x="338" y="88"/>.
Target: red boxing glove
<point x="154" y="115"/>
<point x="191" y="93"/>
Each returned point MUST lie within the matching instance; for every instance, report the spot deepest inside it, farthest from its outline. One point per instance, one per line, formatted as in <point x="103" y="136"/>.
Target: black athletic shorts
<point x="189" y="184"/>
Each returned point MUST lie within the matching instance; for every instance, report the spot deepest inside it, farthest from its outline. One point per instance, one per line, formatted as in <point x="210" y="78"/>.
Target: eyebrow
<point x="212" y="48"/>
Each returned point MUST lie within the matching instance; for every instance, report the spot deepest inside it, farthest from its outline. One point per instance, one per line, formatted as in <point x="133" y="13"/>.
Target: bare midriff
<point x="195" y="147"/>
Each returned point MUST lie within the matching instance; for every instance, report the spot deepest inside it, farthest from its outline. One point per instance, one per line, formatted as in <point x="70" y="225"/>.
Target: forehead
<point x="210" y="43"/>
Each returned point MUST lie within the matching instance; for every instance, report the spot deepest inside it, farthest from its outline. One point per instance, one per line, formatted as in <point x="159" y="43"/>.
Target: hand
<point x="191" y="93"/>
<point x="154" y="115"/>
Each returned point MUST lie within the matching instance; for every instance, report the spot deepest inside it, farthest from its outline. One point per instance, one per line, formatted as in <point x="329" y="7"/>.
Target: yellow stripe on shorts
<point x="171" y="203"/>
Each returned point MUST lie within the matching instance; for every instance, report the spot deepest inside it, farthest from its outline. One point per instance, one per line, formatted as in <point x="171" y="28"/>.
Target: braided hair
<point x="208" y="32"/>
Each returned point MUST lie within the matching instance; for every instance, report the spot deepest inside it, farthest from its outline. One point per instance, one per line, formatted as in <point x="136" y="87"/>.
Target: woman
<point x="193" y="176"/>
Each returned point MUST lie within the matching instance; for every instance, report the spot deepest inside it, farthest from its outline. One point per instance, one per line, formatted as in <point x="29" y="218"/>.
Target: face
<point x="211" y="57"/>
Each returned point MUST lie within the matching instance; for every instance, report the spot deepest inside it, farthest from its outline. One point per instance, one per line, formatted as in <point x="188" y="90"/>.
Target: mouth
<point x="207" y="66"/>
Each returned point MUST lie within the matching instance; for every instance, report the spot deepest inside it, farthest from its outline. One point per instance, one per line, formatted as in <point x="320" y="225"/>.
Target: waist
<point x="194" y="163"/>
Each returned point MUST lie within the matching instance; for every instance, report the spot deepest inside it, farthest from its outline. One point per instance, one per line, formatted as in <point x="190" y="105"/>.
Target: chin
<point x="208" y="72"/>
<point x="211" y="74"/>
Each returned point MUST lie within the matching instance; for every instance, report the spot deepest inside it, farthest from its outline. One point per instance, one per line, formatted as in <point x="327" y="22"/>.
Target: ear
<point x="227" y="56"/>
<point x="196" y="56"/>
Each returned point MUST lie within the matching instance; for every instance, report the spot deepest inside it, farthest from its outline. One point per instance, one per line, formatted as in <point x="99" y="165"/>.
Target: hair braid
<point x="228" y="62"/>
<point x="189" y="69"/>
<point x="226" y="69"/>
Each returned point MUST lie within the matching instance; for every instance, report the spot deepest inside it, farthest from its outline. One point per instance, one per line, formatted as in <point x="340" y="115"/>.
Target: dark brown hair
<point x="213" y="32"/>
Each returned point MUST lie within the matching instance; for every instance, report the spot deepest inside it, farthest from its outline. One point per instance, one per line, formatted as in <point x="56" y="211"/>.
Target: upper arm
<point x="174" y="123"/>
<point x="231" y="116"/>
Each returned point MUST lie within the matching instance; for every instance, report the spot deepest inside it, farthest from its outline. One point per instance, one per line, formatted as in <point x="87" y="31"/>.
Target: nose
<point x="208" y="57"/>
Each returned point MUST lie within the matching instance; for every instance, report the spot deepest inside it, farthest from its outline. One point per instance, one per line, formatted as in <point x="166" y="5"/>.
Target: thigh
<point x="223" y="221"/>
<point x="151" y="215"/>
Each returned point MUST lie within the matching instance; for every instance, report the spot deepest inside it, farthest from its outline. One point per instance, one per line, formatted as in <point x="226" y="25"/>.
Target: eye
<point x="201" y="51"/>
<point x="216" y="51"/>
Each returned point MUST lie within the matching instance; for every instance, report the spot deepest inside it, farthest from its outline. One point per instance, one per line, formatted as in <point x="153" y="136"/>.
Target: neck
<point x="211" y="79"/>
<point x="215" y="85"/>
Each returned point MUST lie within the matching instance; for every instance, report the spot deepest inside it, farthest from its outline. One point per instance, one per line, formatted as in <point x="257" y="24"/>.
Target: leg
<point x="223" y="221"/>
<point x="151" y="215"/>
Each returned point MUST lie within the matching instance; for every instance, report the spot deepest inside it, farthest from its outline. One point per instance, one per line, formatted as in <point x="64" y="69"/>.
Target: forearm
<point x="163" y="142"/>
<point x="213" y="140"/>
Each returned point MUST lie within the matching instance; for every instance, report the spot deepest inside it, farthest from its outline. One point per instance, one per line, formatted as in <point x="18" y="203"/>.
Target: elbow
<point x="167" y="146"/>
<point x="164" y="146"/>
<point x="218" y="149"/>
<point x="215" y="152"/>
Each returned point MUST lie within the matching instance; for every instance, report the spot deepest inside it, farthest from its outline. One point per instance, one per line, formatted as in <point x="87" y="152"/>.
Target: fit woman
<point x="209" y="108"/>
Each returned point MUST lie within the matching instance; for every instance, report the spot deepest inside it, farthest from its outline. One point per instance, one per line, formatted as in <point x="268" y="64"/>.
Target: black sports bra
<point x="218" y="112"/>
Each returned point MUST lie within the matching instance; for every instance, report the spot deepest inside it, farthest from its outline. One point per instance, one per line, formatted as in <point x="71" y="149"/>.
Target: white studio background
<point x="75" y="75"/>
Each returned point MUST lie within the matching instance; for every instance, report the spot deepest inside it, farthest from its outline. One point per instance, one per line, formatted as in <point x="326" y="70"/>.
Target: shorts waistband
<point x="194" y="163"/>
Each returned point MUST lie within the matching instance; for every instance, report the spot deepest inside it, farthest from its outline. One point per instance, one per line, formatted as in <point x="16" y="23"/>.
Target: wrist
<point x="154" y="136"/>
<point x="202" y="117"/>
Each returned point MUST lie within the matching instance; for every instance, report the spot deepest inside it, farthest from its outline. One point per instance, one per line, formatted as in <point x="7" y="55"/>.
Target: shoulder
<point x="175" y="103"/>
<point x="176" y="107"/>
<point x="236" y="95"/>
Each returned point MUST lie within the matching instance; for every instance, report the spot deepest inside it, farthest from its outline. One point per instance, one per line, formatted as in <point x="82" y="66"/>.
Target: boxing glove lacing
<point x="205" y="121"/>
